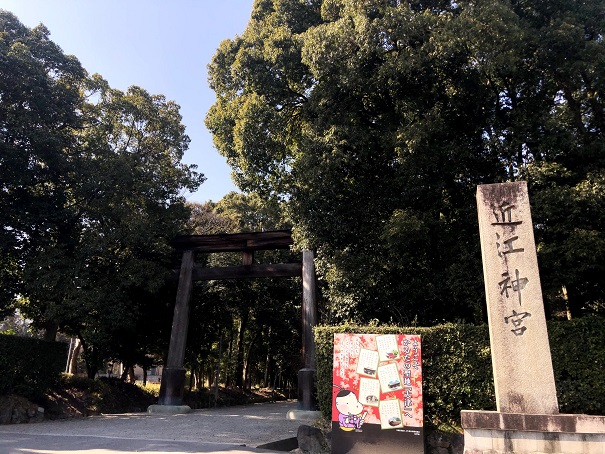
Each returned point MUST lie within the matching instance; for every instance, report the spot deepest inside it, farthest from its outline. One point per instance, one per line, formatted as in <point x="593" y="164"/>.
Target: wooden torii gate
<point x="173" y="376"/>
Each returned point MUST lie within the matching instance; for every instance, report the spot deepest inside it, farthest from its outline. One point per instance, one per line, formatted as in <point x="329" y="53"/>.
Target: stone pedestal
<point x="303" y="415"/>
<point x="490" y="432"/>
<point x="306" y="390"/>
<point x="169" y="409"/>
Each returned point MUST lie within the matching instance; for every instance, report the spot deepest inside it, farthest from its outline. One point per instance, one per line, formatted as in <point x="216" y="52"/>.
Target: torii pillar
<point x="172" y="386"/>
<point x="306" y="376"/>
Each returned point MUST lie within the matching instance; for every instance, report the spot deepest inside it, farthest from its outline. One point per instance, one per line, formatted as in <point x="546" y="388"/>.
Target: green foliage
<point x="250" y="213"/>
<point x="457" y="370"/>
<point x="39" y="97"/>
<point x="15" y="324"/>
<point x="92" y="195"/>
<point x="578" y="356"/>
<point x="204" y="220"/>
<point x="30" y="366"/>
<point x="572" y="243"/>
<point x="374" y="121"/>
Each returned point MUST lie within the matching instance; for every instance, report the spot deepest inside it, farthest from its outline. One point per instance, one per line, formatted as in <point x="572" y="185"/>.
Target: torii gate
<point x="173" y="376"/>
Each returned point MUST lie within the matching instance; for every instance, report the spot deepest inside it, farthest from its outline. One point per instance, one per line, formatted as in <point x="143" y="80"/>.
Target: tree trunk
<point x="239" y="370"/>
<point x="218" y="368"/>
<point x="91" y="371"/>
<point x="125" y="372"/>
<point x="228" y="378"/>
<point x="572" y="306"/>
<point x="90" y="358"/>
<point x="131" y="375"/>
<point x="566" y="299"/>
<point x="267" y="360"/>
<point x="73" y="358"/>
<point x="247" y="375"/>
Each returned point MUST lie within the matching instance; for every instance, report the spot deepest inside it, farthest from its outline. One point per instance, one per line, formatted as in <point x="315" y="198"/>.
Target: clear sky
<point x="162" y="46"/>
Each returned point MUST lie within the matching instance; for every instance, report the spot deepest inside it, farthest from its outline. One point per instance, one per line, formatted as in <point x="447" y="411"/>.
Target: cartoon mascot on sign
<point x="351" y="414"/>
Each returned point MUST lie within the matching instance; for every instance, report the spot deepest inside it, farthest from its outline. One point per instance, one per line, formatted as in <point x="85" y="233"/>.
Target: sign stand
<point x="377" y="394"/>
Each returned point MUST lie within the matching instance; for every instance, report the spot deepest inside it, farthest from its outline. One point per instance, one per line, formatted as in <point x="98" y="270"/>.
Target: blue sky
<point x="161" y="46"/>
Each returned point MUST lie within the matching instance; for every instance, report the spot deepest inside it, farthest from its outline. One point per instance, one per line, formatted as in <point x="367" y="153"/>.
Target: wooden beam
<point x="247" y="271"/>
<point x="234" y="242"/>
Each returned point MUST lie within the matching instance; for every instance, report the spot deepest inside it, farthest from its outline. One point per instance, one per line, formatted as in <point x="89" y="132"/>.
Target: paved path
<point x="229" y="430"/>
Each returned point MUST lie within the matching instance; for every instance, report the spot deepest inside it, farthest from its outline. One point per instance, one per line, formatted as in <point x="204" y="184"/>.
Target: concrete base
<point x="303" y="415"/>
<point x="495" y="433"/>
<point x="306" y="390"/>
<point x="169" y="409"/>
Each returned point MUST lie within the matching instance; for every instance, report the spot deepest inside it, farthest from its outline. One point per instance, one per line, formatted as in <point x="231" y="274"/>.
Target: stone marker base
<point x="169" y="409"/>
<point x="306" y="390"/>
<point x="494" y="433"/>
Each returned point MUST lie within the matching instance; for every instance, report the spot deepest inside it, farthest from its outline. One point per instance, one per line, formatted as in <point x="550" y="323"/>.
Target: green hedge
<point x="29" y="366"/>
<point x="457" y="369"/>
<point x="578" y="356"/>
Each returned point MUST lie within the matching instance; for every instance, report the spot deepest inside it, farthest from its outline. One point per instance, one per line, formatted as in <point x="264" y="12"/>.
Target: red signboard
<point x="377" y="394"/>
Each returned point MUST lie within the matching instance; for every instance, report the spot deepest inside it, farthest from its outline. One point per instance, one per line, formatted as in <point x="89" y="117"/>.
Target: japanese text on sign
<point x="507" y="243"/>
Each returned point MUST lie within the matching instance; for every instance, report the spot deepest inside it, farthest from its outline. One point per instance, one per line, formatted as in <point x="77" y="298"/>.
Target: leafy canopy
<point x="91" y="194"/>
<point x="375" y="120"/>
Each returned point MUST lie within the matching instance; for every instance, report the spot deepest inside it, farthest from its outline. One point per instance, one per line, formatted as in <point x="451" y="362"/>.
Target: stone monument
<point x="527" y="419"/>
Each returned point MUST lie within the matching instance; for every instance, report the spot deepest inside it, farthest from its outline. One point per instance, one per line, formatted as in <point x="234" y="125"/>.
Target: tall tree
<point x="375" y="121"/>
<point x="40" y="94"/>
<point x="126" y="205"/>
<point x="92" y="185"/>
<point x="205" y="221"/>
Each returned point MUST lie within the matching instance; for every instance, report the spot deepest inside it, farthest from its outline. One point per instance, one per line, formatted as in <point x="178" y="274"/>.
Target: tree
<point x="92" y="196"/>
<point x="375" y="120"/>
<point x="15" y="324"/>
<point x="39" y="100"/>
<point x="204" y="220"/>
<point x="127" y="210"/>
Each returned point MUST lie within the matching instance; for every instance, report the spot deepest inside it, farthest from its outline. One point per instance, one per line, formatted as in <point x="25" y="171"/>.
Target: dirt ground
<point x="78" y="397"/>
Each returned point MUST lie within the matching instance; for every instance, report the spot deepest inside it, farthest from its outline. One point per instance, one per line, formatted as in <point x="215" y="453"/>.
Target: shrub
<point x="29" y="366"/>
<point x="578" y="356"/>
